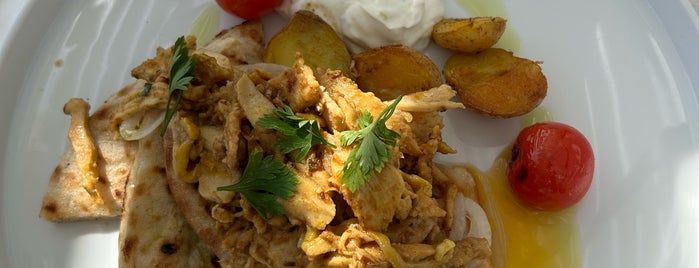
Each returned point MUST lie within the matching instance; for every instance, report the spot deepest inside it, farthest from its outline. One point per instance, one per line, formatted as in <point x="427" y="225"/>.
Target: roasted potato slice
<point x="394" y="70"/>
<point x="468" y="35"/>
<point x="314" y="39"/>
<point x="496" y="83"/>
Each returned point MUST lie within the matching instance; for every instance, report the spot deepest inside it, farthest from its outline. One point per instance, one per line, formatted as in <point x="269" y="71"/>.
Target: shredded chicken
<point x="375" y="203"/>
<point x="401" y="216"/>
<point x="297" y="86"/>
<point x="437" y="99"/>
<point x="254" y="104"/>
<point x="85" y="151"/>
<point x="311" y="205"/>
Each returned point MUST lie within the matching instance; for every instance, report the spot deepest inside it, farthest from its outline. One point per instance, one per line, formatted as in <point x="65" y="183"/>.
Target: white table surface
<point x="11" y="10"/>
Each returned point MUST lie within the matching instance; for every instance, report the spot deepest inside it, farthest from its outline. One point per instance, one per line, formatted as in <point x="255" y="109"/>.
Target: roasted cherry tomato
<point x="248" y="9"/>
<point x="551" y="166"/>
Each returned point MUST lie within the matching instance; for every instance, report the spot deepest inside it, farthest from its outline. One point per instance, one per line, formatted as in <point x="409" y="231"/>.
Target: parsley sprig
<point x="181" y="73"/>
<point x="298" y="133"/>
<point x="372" y="152"/>
<point x="263" y="180"/>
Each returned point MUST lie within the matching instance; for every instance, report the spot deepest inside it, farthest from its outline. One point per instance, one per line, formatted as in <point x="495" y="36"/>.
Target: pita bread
<point x="241" y="44"/>
<point x="66" y="199"/>
<point x="153" y="232"/>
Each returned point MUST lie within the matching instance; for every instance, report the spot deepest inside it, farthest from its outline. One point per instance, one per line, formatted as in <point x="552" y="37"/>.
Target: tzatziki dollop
<point x="367" y="24"/>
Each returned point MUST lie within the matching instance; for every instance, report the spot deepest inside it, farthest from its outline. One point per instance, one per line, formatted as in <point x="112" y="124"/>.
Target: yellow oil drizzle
<point x="539" y="114"/>
<point x="509" y="40"/>
<point x="523" y="237"/>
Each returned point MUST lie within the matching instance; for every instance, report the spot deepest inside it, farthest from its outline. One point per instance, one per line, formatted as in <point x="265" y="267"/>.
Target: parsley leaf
<point x="372" y="152"/>
<point x="181" y="73"/>
<point x="299" y="133"/>
<point x="263" y="180"/>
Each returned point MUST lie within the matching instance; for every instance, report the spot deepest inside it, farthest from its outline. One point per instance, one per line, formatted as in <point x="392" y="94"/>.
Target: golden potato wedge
<point x="394" y="70"/>
<point x="468" y="35"/>
<point x="496" y="83"/>
<point x="314" y="39"/>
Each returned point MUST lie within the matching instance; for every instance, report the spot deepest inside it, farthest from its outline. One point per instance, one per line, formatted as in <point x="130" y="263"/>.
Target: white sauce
<point x="367" y="24"/>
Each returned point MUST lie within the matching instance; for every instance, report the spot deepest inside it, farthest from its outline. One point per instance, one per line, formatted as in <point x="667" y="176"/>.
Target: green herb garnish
<point x="263" y="180"/>
<point x="299" y="133"/>
<point x="181" y="73"/>
<point x="372" y="152"/>
<point x="146" y="89"/>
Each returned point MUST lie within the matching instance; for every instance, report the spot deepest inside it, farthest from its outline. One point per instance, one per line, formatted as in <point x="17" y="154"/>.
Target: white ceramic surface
<point x="626" y="73"/>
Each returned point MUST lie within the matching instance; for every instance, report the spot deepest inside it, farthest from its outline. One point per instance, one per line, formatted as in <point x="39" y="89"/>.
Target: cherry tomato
<point x="551" y="166"/>
<point x="248" y="9"/>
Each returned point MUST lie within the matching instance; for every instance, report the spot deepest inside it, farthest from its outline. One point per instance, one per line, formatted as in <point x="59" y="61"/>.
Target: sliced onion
<point x="271" y="68"/>
<point x="458" y="225"/>
<point x="205" y="25"/>
<point x="476" y="263"/>
<point x="466" y="208"/>
<point x="141" y="124"/>
<point x="539" y="114"/>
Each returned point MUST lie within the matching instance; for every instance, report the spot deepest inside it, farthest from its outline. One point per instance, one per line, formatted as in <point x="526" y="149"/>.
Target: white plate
<point x="623" y="72"/>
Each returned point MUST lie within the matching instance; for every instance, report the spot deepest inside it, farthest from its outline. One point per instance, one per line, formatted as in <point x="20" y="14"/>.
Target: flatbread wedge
<point x="153" y="232"/>
<point x="74" y="188"/>
<point x="66" y="198"/>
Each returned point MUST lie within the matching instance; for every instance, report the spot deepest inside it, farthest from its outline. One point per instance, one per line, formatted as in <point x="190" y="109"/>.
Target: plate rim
<point x="673" y="15"/>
